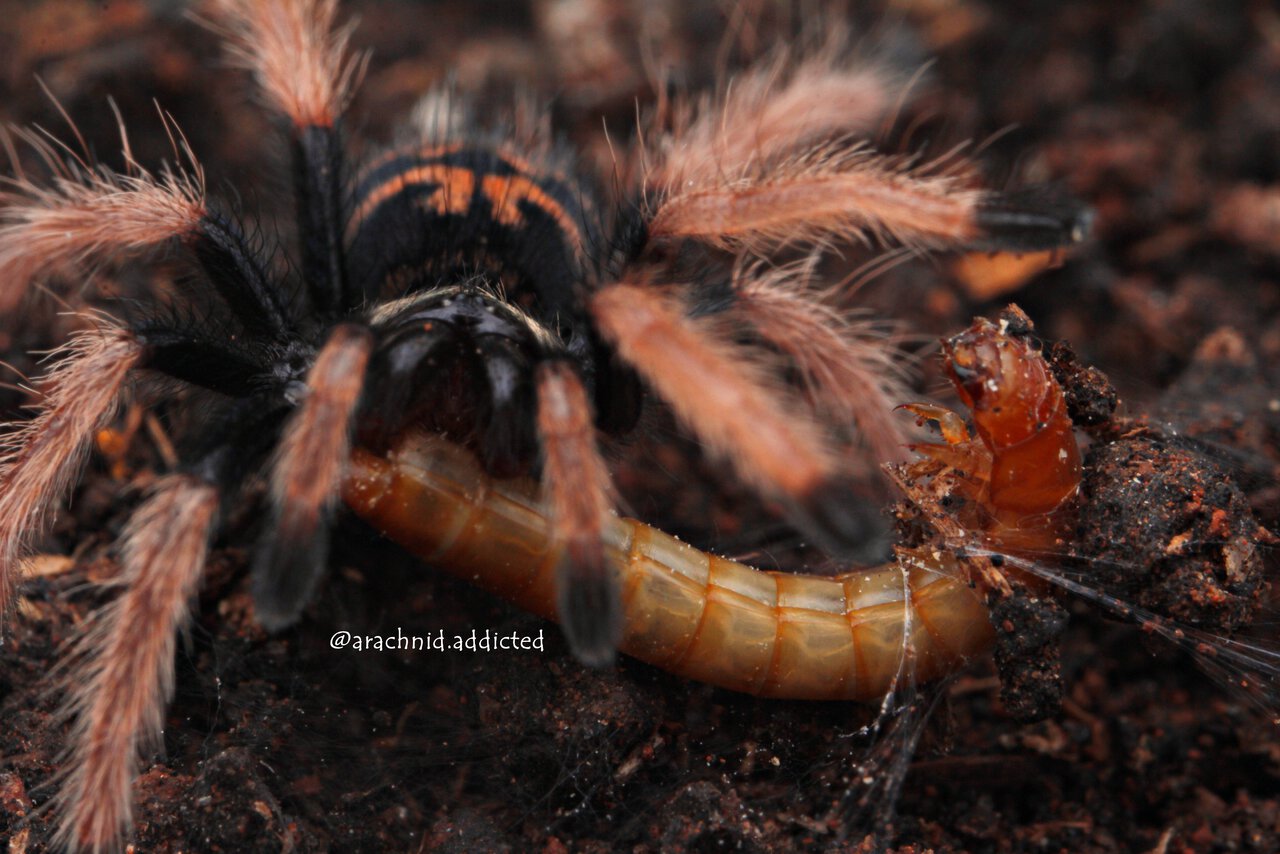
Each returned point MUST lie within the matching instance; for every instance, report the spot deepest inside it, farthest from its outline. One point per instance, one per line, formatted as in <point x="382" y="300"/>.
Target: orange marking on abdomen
<point x="455" y="186"/>
<point x="455" y="190"/>
<point x="506" y="192"/>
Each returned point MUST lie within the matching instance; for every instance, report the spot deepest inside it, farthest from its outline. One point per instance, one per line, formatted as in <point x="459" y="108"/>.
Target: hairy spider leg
<point x="853" y="372"/>
<point x="306" y="74"/>
<point x="43" y="458"/>
<point x="773" y="161"/>
<point x="861" y="195"/>
<point x="781" y="106"/>
<point x="305" y="478"/>
<point x="124" y="675"/>
<point x="121" y="676"/>
<point x="240" y="277"/>
<point x="91" y="214"/>
<point x="86" y="216"/>
<point x="733" y="405"/>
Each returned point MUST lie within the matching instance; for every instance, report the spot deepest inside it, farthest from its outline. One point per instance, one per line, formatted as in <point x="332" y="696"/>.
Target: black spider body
<point x="467" y="268"/>
<point x="475" y="266"/>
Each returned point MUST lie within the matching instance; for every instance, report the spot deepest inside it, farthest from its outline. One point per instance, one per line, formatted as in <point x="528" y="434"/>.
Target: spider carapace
<point x="474" y="284"/>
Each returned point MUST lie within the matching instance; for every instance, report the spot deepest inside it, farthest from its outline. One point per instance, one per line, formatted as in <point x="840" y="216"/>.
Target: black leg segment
<point x="318" y="183"/>
<point x="234" y="269"/>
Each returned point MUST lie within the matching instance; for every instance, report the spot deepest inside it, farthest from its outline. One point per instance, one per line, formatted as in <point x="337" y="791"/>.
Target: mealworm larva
<point x="768" y="633"/>
<point x="772" y="634"/>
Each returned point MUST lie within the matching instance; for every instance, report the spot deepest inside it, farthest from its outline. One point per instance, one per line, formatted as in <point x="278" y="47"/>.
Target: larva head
<point x="1021" y="416"/>
<point x="1000" y="375"/>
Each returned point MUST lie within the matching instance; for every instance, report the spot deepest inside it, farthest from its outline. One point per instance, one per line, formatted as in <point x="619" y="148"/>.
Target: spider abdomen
<point x="442" y="212"/>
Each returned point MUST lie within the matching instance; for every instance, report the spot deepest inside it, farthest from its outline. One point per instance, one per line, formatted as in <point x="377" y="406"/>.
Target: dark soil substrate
<point x="1164" y="116"/>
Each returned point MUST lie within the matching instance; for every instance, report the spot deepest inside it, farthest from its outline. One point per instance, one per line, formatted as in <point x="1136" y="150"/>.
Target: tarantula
<point x="476" y="284"/>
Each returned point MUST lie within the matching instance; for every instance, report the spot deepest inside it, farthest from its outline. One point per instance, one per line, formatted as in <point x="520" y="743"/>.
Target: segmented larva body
<point x="695" y="614"/>
<point x="700" y="616"/>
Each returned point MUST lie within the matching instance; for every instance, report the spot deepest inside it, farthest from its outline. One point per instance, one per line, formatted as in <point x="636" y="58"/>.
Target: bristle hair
<point x="770" y="114"/>
<point x="124" y="672"/>
<point x="775" y="160"/>
<point x="299" y="58"/>
<point x="853" y="371"/>
<point x="89" y="214"/>
<point x="41" y="458"/>
<point x="716" y="387"/>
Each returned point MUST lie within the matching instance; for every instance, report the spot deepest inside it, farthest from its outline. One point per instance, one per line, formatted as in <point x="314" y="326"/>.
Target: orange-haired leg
<point x="860" y="196"/>
<point x="731" y="405"/>
<point x="853" y="371"/>
<point x="306" y="476"/>
<point x="302" y="64"/>
<point x="580" y="494"/>
<point x="119" y="692"/>
<point x="297" y="55"/>
<point x="772" y="162"/>
<point x="88" y="215"/>
<point x="42" y="457"/>
<point x="774" y="111"/>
